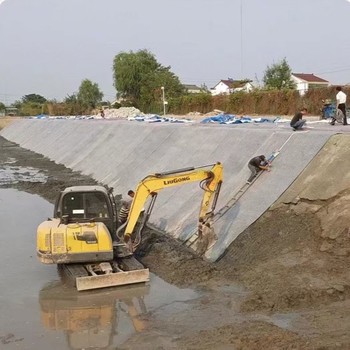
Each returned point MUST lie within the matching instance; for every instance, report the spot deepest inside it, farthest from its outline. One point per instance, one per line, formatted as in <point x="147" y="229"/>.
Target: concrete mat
<point x="120" y="153"/>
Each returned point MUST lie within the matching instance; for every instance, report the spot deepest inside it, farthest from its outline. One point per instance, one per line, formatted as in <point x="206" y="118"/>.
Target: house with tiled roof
<point x="192" y="89"/>
<point x="304" y="82"/>
<point x="229" y="86"/>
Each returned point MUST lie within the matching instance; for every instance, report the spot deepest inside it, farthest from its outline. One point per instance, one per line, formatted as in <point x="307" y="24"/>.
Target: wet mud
<point x="283" y="284"/>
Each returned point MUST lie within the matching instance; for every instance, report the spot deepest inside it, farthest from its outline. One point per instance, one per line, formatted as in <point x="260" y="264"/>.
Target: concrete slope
<point x="121" y="153"/>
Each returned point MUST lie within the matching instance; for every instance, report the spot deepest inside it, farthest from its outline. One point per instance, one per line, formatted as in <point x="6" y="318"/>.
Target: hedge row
<point x="260" y="102"/>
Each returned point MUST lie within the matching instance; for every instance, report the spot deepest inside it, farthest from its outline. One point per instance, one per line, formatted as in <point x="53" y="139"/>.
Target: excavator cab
<point x="86" y="204"/>
<point x="81" y="239"/>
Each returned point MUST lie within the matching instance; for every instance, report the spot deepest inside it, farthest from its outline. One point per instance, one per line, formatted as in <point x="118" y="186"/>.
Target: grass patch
<point x="4" y="121"/>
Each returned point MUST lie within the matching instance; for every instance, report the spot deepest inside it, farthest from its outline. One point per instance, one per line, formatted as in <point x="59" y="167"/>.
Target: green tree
<point x="2" y="107"/>
<point x="138" y="78"/>
<point x="33" y="98"/>
<point x="31" y="104"/>
<point x="31" y="109"/>
<point x="71" y="99"/>
<point x="73" y="106"/>
<point x="89" y="94"/>
<point x="17" y="104"/>
<point x="205" y="89"/>
<point x="278" y="76"/>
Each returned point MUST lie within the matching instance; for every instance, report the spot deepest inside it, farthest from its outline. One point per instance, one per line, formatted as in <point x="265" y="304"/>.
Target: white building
<point x="192" y="89"/>
<point x="225" y="87"/>
<point x="304" y="82"/>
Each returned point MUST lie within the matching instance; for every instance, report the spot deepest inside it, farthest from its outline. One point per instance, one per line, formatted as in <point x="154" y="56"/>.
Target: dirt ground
<point x="283" y="284"/>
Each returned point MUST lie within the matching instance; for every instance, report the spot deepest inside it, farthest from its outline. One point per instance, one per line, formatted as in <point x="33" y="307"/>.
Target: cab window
<point x="86" y="205"/>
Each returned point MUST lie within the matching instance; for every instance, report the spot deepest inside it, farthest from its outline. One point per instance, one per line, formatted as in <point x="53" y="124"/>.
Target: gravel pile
<point x="121" y="113"/>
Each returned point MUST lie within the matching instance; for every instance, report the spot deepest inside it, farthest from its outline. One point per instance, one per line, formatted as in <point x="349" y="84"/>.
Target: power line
<point x="336" y="71"/>
<point x="242" y="38"/>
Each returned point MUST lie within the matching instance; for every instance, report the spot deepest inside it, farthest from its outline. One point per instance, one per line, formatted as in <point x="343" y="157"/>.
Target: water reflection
<point x="96" y="319"/>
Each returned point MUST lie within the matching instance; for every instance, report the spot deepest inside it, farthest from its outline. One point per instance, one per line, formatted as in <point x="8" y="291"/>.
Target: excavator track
<point x="69" y="273"/>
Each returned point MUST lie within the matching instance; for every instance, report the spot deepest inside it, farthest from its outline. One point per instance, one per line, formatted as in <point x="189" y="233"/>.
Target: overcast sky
<point x="49" y="46"/>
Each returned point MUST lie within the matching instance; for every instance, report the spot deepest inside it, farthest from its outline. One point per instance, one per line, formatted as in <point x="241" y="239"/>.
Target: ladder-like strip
<point x="194" y="237"/>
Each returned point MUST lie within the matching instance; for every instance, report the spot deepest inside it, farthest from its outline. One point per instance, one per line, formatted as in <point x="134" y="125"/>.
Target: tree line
<point x="140" y="81"/>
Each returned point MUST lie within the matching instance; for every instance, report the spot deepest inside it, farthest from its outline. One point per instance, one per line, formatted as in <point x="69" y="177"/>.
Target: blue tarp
<point x="155" y="118"/>
<point x="220" y="118"/>
<point x="232" y="119"/>
<point x="41" y="116"/>
<point x="328" y="111"/>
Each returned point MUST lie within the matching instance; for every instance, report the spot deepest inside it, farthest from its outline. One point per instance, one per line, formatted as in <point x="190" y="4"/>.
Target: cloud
<point x="1" y="1"/>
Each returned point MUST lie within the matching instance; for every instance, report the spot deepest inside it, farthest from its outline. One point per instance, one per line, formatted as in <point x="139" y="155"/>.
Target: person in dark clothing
<point x="297" y="121"/>
<point x="125" y="207"/>
<point x="257" y="164"/>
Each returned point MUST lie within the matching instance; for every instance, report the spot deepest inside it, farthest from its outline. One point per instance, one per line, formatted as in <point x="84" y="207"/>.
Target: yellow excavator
<point x="85" y="239"/>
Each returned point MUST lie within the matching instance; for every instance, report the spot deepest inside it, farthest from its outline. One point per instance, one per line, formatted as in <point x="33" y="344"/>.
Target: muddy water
<point x="37" y="311"/>
<point x="10" y="174"/>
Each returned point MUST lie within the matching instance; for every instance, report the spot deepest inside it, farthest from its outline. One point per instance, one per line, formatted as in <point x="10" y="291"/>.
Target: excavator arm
<point x="210" y="181"/>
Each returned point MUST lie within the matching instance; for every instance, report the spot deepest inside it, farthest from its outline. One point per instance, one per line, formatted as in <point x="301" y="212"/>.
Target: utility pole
<point x="241" y="10"/>
<point x="163" y="98"/>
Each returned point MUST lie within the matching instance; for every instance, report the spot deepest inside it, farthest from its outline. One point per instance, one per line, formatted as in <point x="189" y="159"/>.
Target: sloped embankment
<point x="120" y="153"/>
<point x="298" y="253"/>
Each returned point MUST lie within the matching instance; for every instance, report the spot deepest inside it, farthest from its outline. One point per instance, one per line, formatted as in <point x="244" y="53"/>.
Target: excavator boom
<point x="210" y="181"/>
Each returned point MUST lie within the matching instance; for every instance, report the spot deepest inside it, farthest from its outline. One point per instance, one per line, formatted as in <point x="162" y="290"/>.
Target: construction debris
<point x="120" y="113"/>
